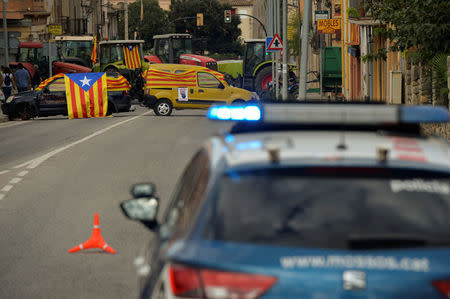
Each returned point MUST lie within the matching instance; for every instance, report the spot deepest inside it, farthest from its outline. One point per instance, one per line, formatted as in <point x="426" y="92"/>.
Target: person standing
<point x="8" y="81"/>
<point x="37" y="77"/>
<point x="23" y="80"/>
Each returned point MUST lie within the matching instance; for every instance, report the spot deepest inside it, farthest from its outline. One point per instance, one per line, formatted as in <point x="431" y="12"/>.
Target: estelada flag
<point x="132" y="57"/>
<point x="94" y="51"/>
<point x="86" y="95"/>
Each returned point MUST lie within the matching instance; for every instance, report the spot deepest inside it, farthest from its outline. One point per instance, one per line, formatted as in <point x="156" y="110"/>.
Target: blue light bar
<point x="424" y="114"/>
<point x="235" y="113"/>
<point x="331" y="114"/>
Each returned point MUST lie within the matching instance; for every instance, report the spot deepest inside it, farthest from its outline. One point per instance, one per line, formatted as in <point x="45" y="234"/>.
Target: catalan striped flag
<point x="94" y="51"/>
<point x="86" y="95"/>
<point x="132" y="57"/>
<point x="117" y="83"/>
<point x="49" y="80"/>
<point x="157" y="78"/>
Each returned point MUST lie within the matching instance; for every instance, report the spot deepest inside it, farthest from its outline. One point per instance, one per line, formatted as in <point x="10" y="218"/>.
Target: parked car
<point x="177" y="86"/>
<point x="304" y="201"/>
<point x="50" y="98"/>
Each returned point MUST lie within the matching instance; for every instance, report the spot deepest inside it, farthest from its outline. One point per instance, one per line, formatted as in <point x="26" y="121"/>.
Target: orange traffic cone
<point x="95" y="241"/>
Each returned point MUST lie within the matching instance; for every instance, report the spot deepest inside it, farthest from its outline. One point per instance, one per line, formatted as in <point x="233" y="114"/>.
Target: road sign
<point x="320" y="15"/>
<point x="268" y="40"/>
<point x="55" y="29"/>
<point x="328" y="26"/>
<point x="276" y="44"/>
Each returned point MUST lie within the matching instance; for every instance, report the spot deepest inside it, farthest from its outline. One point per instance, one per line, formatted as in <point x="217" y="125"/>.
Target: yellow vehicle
<point x="178" y="86"/>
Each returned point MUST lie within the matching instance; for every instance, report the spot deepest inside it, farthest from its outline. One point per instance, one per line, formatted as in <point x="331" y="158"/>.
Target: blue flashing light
<point x="235" y="113"/>
<point x="229" y="138"/>
<point x="424" y="114"/>
<point x="255" y="144"/>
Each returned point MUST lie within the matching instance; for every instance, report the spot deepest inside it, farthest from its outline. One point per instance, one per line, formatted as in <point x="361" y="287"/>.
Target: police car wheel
<point x="163" y="108"/>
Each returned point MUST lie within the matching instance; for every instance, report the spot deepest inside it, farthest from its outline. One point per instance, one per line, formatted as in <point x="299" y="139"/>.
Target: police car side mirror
<point x="221" y="86"/>
<point x="142" y="209"/>
<point x="46" y="90"/>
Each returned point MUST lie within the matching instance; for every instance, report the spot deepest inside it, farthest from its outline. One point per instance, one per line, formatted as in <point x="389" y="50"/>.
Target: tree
<point x="154" y="22"/>
<point x="220" y="37"/>
<point x="423" y="25"/>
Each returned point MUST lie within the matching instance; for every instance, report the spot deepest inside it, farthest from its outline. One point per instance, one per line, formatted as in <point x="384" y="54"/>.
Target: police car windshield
<point x="320" y="209"/>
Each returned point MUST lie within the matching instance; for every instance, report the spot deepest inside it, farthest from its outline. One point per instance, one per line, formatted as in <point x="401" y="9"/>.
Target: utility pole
<point x="284" y="94"/>
<point x="5" y="33"/>
<point x="126" y="20"/>
<point x="304" y="50"/>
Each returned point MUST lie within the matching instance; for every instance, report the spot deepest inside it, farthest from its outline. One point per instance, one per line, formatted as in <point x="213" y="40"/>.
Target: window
<point x="188" y="195"/>
<point x="207" y="80"/>
<point x="320" y="208"/>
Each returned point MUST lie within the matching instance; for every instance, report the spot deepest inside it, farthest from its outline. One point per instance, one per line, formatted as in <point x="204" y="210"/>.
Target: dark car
<point x="305" y="201"/>
<point x="50" y="99"/>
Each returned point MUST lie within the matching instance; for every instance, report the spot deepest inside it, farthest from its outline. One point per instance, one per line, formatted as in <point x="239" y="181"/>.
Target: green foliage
<point x="420" y="24"/>
<point x="440" y="70"/>
<point x="154" y="22"/>
<point x="352" y="12"/>
<point x="221" y="37"/>
<point x="294" y="42"/>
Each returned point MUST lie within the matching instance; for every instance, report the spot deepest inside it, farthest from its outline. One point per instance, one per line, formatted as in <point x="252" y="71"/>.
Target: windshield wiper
<point x="386" y="241"/>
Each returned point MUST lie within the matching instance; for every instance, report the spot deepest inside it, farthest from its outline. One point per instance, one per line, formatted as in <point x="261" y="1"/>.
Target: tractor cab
<point x="124" y="57"/>
<point x="255" y="54"/>
<point x="178" y="48"/>
<point x="75" y="49"/>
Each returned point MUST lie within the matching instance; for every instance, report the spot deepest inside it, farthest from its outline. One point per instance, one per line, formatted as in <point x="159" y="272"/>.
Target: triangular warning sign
<point x="276" y="43"/>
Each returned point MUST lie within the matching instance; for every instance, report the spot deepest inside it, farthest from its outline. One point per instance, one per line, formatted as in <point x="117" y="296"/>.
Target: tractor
<point x="178" y="48"/>
<point x="36" y="53"/>
<point x="75" y="49"/>
<point x="112" y="58"/>
<point x="254" y="72"/>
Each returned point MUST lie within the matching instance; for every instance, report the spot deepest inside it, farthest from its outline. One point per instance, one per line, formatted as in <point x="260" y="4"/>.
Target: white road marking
<point x="15" y="180"/>
<point x="23" y="173"/>
<point x="37" y="161"/>
<point x="7" y="188"/>
<point x="4" y="171"/>
<point x="13" y="124"/>
<point x="2" y="196"/>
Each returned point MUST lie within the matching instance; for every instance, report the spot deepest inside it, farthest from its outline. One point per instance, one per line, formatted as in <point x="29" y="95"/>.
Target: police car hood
<point x="314" y="273"/>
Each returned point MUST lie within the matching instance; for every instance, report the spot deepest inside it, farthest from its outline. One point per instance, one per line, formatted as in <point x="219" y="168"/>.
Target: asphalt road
<point x="56" y="173"/>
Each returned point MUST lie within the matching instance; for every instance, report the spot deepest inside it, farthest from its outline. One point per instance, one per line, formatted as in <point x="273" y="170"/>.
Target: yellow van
<point x="178" y="86"/>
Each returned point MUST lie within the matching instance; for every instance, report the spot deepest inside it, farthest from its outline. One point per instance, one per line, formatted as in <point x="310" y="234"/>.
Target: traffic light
<point x="227" y="16"/>
<point x="199" y="19"/>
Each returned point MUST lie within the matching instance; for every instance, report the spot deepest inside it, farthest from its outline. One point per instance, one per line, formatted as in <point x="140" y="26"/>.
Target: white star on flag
<point x="85" y="81"/>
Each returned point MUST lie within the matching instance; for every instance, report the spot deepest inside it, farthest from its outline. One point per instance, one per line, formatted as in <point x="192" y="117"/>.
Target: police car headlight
<point x="10" y="99"/>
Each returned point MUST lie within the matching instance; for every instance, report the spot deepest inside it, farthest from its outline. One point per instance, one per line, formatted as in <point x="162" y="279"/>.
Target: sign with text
<point x="320" y="15"/>
<point x="55" y="29"/>
<point x="329" y="26"/>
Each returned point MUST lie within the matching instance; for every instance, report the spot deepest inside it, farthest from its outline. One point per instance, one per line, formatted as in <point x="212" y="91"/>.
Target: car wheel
<point x="26" y="112"/>
<point x="163" y="107"/>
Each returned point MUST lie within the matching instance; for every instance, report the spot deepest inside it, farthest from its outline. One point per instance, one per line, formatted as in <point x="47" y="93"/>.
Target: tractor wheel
<point x="263" y="78"/>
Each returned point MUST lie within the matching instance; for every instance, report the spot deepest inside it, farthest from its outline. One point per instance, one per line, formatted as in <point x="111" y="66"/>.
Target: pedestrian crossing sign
<point x="276" y="44"/>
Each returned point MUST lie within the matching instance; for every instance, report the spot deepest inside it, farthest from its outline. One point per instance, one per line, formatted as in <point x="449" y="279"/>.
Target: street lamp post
<point x="5" y="33"/>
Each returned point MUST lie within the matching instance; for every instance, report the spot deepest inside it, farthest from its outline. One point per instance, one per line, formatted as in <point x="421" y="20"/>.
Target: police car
<point x="305" y="201"/>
